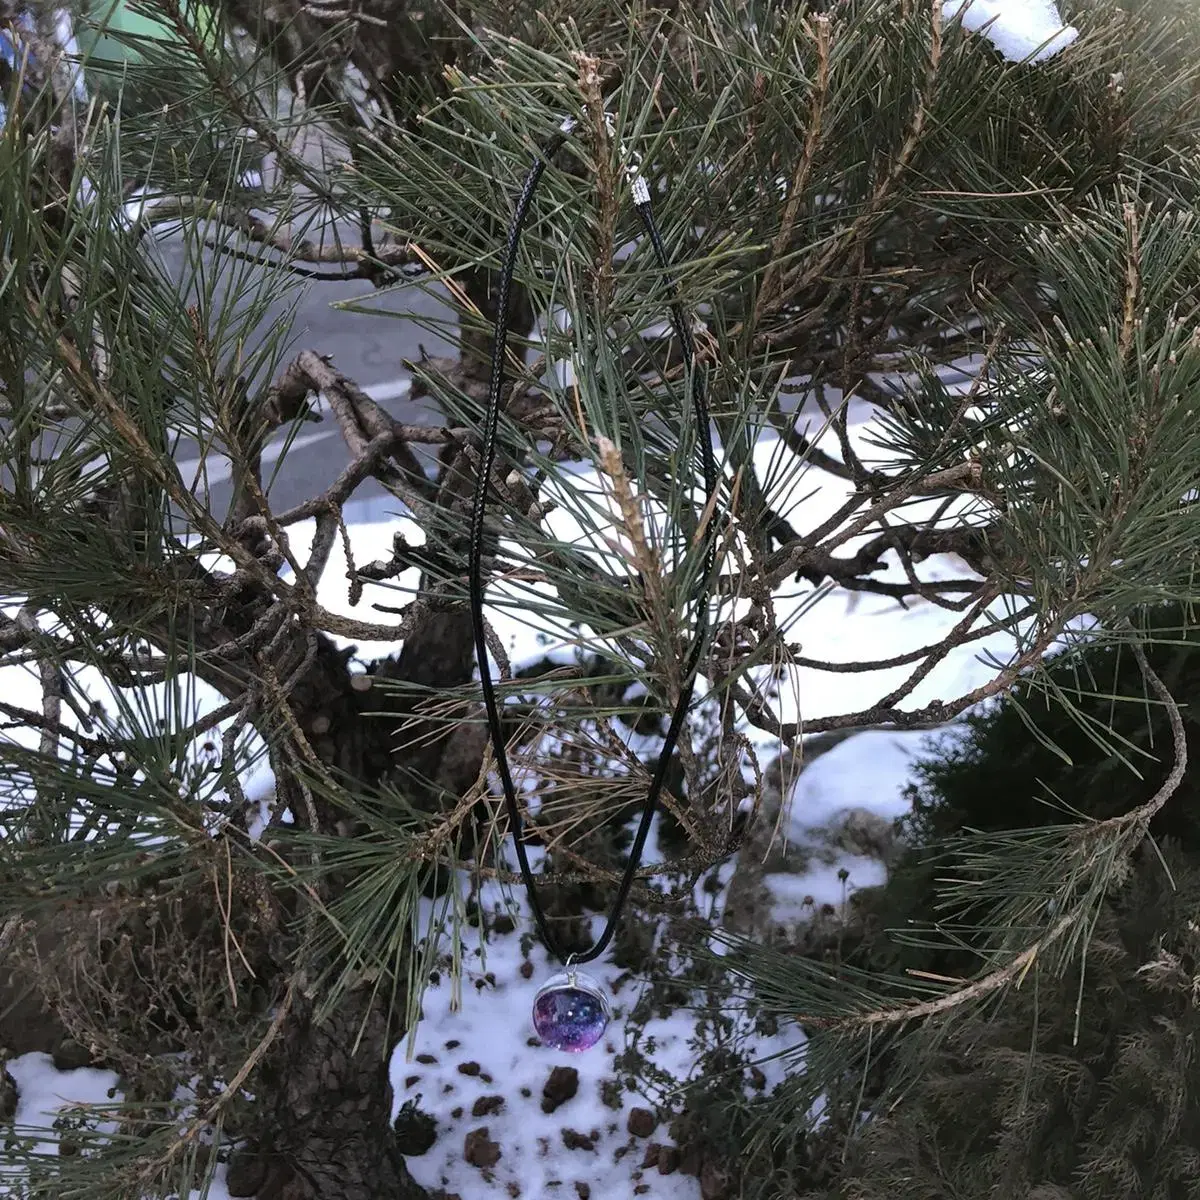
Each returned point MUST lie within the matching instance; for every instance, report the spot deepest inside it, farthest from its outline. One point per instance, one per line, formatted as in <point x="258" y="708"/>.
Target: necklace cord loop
<point x="641" y="198"/>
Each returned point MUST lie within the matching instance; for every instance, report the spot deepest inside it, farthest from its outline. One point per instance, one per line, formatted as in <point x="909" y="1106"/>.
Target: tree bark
<point x="330" y="1129"/>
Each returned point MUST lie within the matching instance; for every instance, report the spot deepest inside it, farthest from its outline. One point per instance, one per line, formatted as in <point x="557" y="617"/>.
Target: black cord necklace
<point x="571" y="1011"/>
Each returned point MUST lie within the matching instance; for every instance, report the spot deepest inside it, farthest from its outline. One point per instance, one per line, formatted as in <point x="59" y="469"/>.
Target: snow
<point x="868" y="769"/>
<point x="45" y="1094"/>
<point x="493" y="1029"/>
<point x="796" y="895"/>
<point x="1020" y="29"/>
<point x="43" y="1091"/>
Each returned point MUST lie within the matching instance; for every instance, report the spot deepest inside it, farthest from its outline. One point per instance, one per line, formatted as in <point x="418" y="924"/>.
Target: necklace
<point x="571" y="1010"/>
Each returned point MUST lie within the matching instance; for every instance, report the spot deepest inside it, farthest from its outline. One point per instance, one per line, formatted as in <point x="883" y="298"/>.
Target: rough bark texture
<point x="331" y="1137"/>
<point x="26" y="1023"/>
<point x="324" y="1123"/>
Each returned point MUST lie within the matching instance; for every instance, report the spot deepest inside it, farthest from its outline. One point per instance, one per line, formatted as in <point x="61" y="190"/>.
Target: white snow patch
<point x="492" y="1025"/>
<point x="868" y="770"/>
<point x="1019" y="29"/>
<point x="43" y="1092"/>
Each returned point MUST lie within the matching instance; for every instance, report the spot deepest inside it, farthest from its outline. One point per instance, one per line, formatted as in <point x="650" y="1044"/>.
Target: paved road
<point x="369" y="348"/>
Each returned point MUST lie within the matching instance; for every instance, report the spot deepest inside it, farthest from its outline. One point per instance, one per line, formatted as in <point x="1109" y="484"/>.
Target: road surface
<point x="369" y="348"/>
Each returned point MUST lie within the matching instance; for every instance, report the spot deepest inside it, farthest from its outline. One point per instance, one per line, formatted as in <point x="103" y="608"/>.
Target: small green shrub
<point x="1083" y="1087"/>
<point x="1072" y="1087"/>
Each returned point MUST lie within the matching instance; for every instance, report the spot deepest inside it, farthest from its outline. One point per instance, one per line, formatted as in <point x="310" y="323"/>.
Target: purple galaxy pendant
<point x="571" y="1012"/>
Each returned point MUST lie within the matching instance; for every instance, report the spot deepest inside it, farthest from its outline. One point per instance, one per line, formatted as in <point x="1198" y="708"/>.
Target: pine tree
<point x="851" y="192"/>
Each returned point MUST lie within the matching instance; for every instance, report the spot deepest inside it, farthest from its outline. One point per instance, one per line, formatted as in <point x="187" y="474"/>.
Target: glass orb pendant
<point x="571" y="1012"/>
